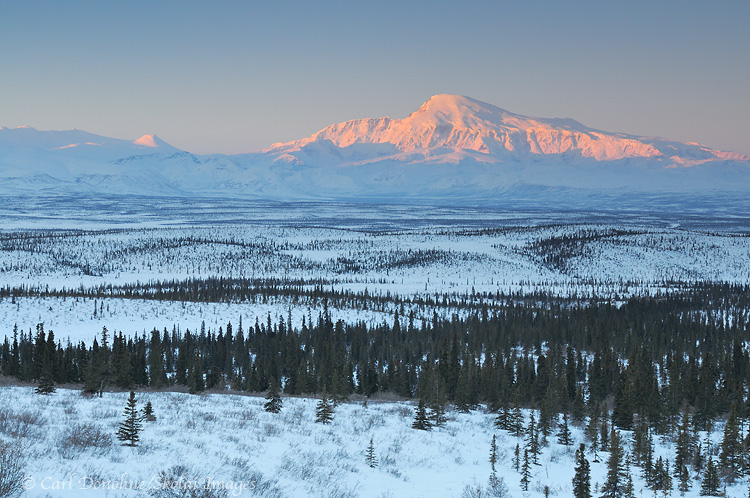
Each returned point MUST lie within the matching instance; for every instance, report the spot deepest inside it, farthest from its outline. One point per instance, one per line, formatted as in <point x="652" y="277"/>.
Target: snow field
<point x="230" y="439"/>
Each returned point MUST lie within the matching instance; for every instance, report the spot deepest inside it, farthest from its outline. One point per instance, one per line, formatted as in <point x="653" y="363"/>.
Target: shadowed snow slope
<point x="452" y="150"/>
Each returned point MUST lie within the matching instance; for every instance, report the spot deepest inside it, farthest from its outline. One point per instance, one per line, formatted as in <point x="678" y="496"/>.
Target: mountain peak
<point x="459" y="111"/>
<point x="149" y="141"/>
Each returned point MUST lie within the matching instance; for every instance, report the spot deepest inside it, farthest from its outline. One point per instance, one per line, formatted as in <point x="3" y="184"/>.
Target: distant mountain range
<point x="453" y="150"/>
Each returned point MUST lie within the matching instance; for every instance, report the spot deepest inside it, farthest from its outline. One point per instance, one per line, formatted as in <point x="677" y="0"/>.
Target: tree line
<point x="649" y="357"/>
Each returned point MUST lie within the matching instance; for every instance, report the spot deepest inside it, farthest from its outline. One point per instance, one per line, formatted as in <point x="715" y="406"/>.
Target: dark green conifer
<point x="582" y="477"/>
<point x="324" y="410"/>
<point x="525" y="471"/>
<point x="273" y="399"/>
<point x="730" y="459"/>
<point x="563" y="435"/>
<point x="684" y="476"/>
<point x="370" y="458"/>
<point x="195" y="377"/>
<point x="710" y="483"/>
<point x="131" y="427"/>
<point x="421" y="420"/>
<point x="148" y="413"/>
<point x="615" y="483"/>
<point x="493" y="453"/>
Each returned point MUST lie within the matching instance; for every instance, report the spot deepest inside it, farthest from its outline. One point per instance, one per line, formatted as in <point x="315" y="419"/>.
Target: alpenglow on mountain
<point x="453" y="150"/>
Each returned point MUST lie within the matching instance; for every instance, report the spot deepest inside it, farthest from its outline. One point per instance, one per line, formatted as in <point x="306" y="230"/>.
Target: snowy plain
<point x="230" y="440"/>
<point x="406" y="250"/>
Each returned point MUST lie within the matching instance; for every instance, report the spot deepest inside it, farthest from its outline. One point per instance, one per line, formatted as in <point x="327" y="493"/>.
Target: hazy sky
<point x="235" y="76"/>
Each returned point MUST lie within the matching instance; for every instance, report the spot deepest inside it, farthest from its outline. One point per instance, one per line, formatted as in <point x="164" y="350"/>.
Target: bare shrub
<point x="82" y="437"/>
<point x="105" y="412"/>
<point x="11" y="470"/>
<point x="271" y="430"/>
<point x="402" y="411"/>
<point x="496" y="488"/>
<point x="179" y="482"/>
<point x="20" y="424"/>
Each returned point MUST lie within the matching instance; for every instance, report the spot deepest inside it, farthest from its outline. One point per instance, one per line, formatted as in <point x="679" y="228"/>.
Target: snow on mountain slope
<point x="26" y="137"/>
<point x="452" y="150"/>
<point x="457" y="122"/>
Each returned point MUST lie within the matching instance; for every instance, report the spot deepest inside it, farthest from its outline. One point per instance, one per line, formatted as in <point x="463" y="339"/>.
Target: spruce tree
<point x="684" y="476"/>
<point x="578" y="407"/>
<point x="46" y="377"/>
<point x="148" y="413"/>
<point x="563" y="435"/>
<point x="516" y="421"/>
<point x="629" y="488"/>
<point x="684" y="444"/>
<point x="324" y="410"/>
<point x="582" y="477"/>
<point x="517" y="458"/>
<point x="437" y="415"/>
<point x="273" y="399"/>
<point x="370" y="458"/>
<point x="698" y="459"/>
<point x="730" y="459"/>
<point x="604" y="435"/>
<point x="131" y="427"/>
<point x="195" y="377"/>
<point x="710" y="482"/>
<point x="502" y="421"/>
<point x="496" y="487"/>
<point x="640" y="441"/>
<point x="46" y="383"/>
<point x="493" y="453"/>
<point x="614" y="486"/>
<point x="421" y="421"/>
<point x="533" y="440"/>
<point x="525" y="471"/>
<point x="660" y="480"/>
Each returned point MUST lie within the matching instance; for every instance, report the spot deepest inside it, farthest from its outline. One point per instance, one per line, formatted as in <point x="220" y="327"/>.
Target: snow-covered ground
<point x="582" y="258"/>
<point x="73" y="318"/>
<point x="403" y="261"/>
<point x="230" y="439"/>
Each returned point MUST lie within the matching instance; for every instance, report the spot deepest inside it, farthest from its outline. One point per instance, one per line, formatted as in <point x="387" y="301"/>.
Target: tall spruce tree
<point x="195" y="377"/>
<point x="710" y="482"/>
<point x="563" y="434"/>
<point x="685" y="444"/>
<point x="421" y="420"/>
<point x="130" y="428"/>
<point x="731" y="457"/>
<point x="614" y="486"/>
<point x="525" y="471"/>
<point x="582" y="476"/>
<point x="47" y="352"/>
<point x="533" y="439"/>
<point x="684" y="477"/>
<point x="493" y="453"/>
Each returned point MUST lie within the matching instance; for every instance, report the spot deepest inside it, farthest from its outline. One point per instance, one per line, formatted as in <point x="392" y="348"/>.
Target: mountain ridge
<point x="451" y="150"/>
<point x="460" y="122"/>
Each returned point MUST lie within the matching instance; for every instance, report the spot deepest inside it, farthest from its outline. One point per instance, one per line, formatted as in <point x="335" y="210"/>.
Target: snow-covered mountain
<point x="452" y="150"/>
<point x="459" y="123"/>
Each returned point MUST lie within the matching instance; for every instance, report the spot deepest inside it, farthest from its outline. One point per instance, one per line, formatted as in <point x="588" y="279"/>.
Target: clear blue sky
<point x="235" y="76"/>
